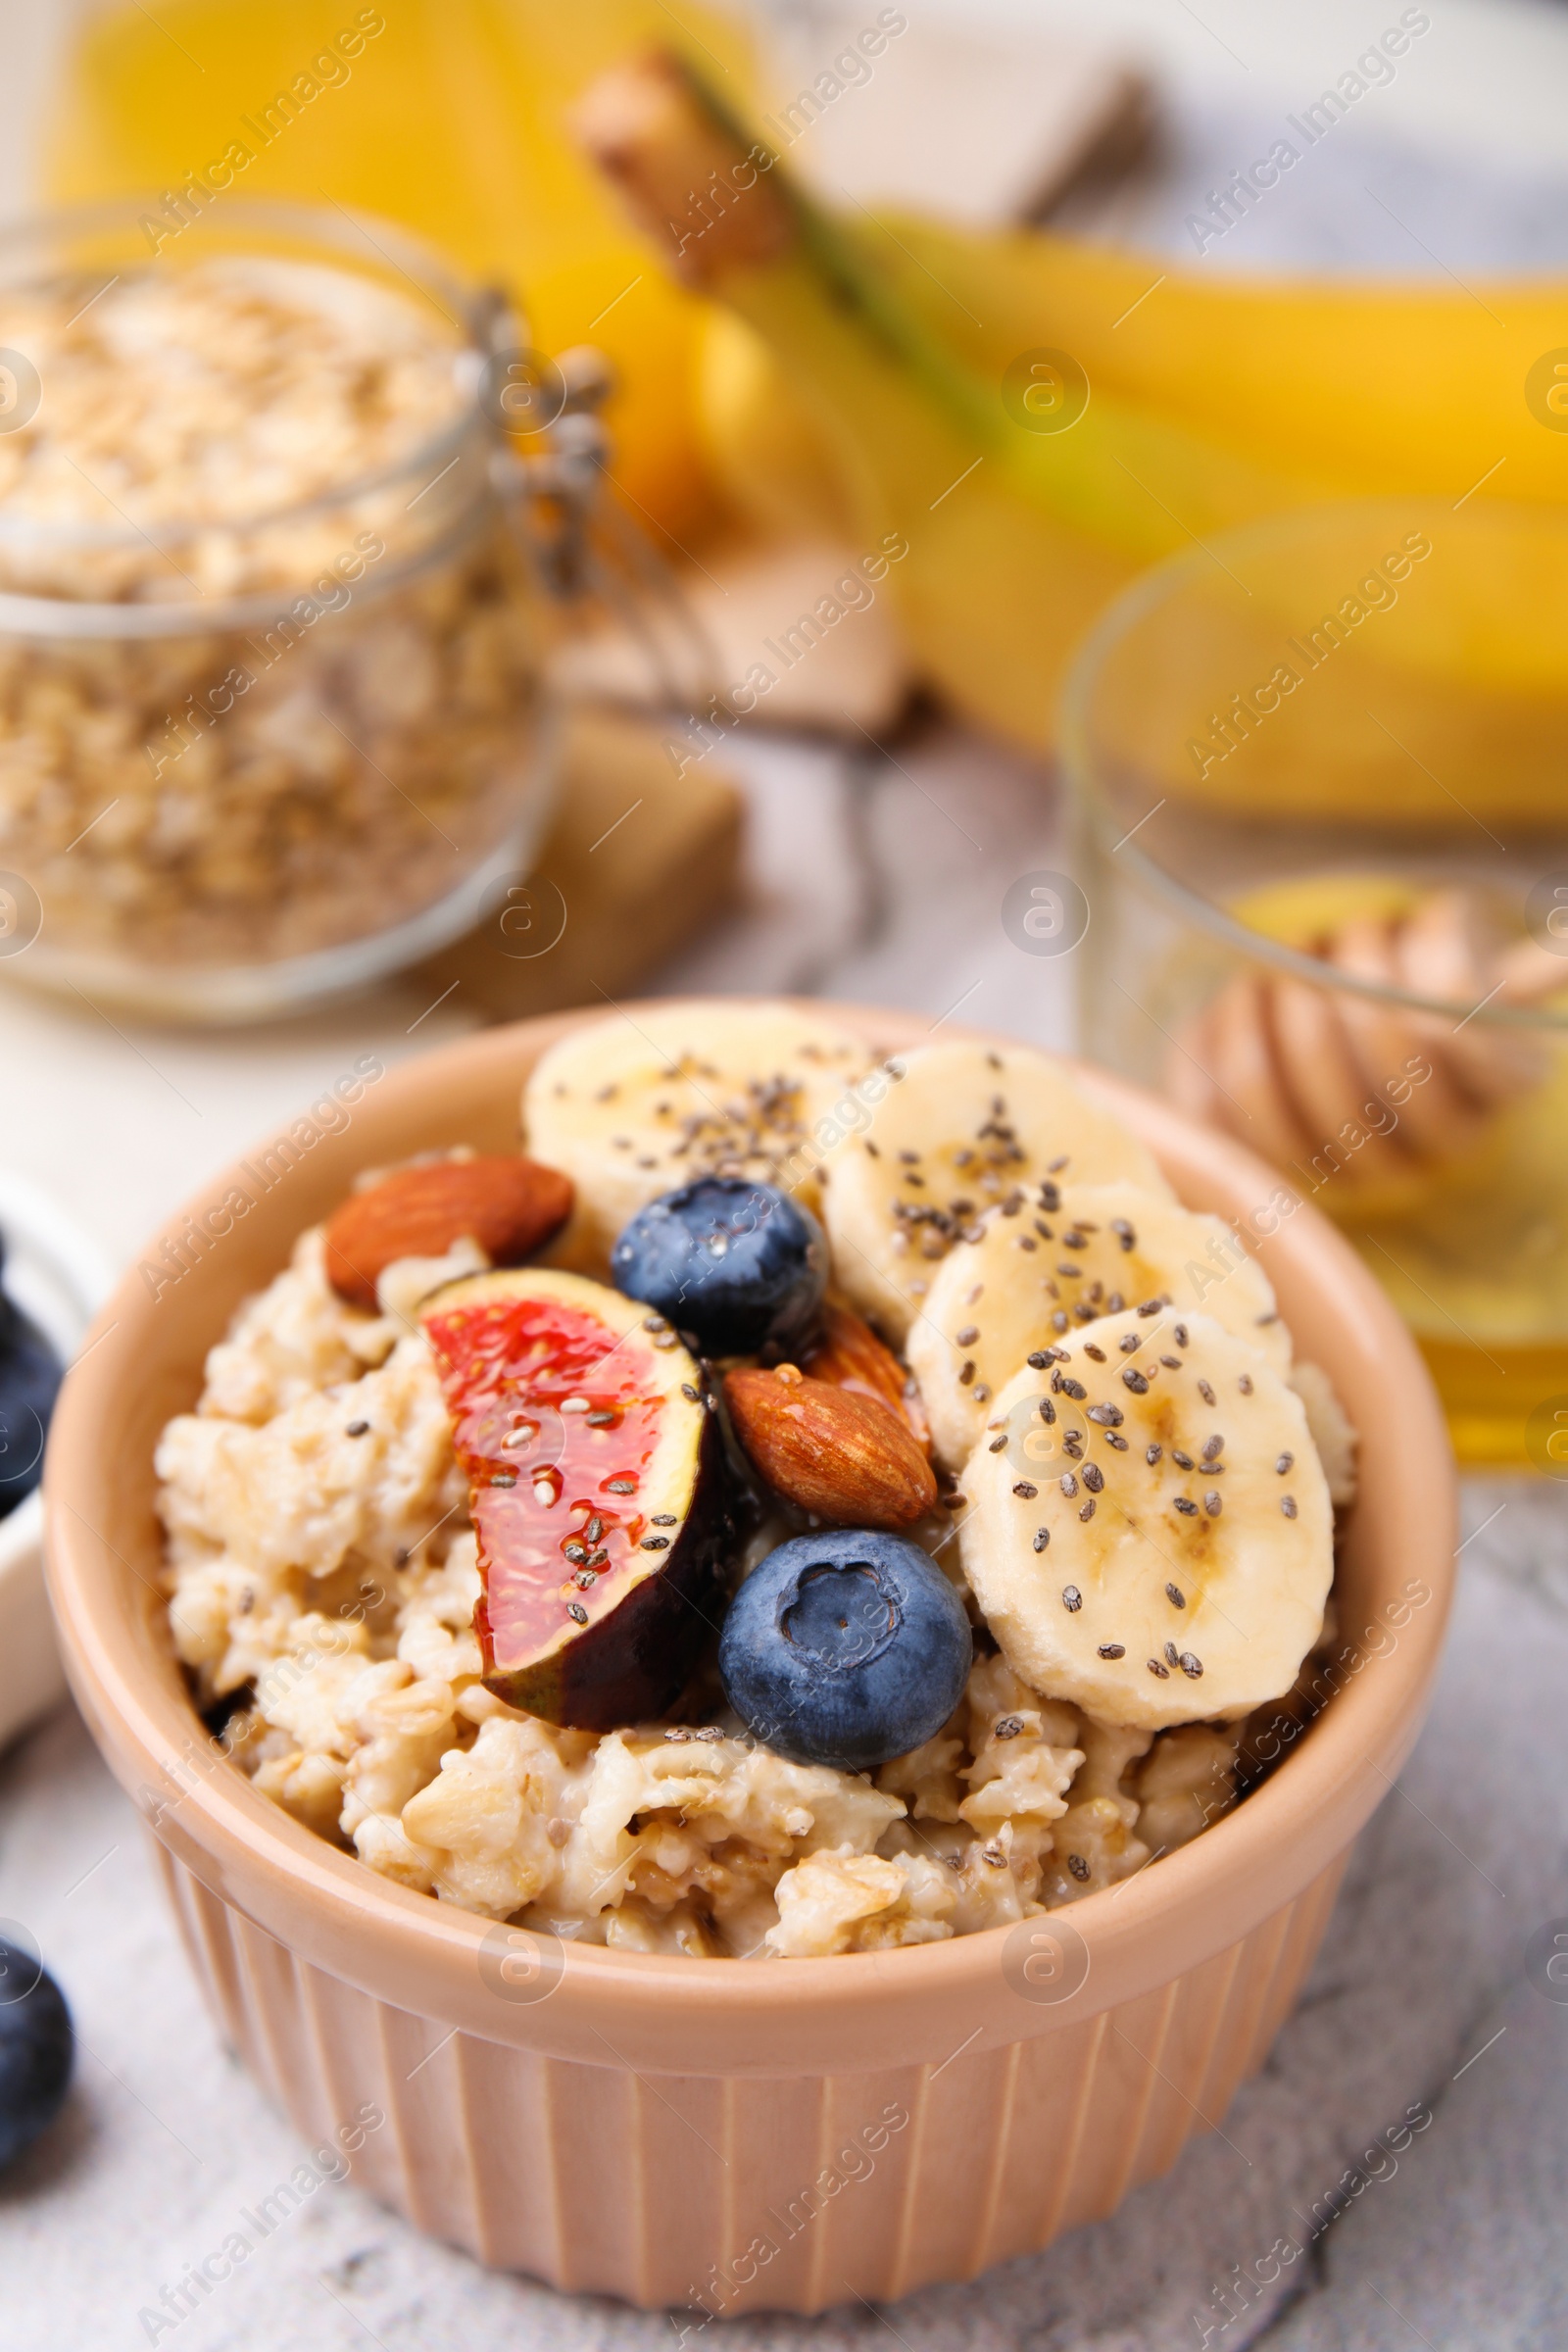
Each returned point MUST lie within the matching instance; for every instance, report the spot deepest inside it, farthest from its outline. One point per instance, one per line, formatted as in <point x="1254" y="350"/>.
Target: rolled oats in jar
<point x="270" y="713"/>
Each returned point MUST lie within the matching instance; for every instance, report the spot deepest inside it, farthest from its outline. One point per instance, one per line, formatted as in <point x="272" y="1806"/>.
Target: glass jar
<point x="1320" y="784"/>
<point x="270" y="710"/>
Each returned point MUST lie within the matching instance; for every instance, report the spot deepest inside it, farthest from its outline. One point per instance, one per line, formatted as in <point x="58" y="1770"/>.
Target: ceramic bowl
<point x="712" y="2133"/>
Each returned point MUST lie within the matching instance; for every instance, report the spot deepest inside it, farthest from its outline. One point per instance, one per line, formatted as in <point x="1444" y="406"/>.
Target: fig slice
<point x="596" y="1489"/>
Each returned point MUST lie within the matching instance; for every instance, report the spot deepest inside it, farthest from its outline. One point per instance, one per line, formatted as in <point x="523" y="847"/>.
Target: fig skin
<point x="634" y="1663"/>
<point x="588" y="1632"/>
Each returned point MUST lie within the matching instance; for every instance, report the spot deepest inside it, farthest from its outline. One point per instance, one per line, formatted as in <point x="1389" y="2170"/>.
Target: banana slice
<point x="644" y="1102"/>
<point x="1149" y="1529"/>
<point x="1030" y="1279"/>
<point x="968" y="1127"/>
<point x="1332" y="1432"/>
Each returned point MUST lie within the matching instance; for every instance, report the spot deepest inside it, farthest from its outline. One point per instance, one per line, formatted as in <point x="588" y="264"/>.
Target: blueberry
<point x="30" y="1381"/>
<point x="846" y="1647"/>
<point x="35" y="2049"/>
<point x="741" y="1266"/>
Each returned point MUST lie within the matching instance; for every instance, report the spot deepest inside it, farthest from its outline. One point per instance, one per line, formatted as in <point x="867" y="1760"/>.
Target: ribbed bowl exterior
<point x="717" y="2135"/>
<point x="730" y="2194"/>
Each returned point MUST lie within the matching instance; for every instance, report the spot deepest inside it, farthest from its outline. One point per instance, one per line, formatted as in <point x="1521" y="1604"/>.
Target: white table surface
<point x="885" y="882"/>
<point x="883" y="885"/>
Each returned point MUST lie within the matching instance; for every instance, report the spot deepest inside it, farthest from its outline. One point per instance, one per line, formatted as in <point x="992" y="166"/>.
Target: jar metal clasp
<point x="583" y="546"/>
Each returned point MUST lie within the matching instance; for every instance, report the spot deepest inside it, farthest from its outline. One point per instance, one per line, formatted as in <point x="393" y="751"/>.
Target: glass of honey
<point x="1320" y="786"/>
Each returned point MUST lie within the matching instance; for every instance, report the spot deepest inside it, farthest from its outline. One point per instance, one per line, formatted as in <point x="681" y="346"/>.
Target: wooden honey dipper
<point x="1299" y="1072"/>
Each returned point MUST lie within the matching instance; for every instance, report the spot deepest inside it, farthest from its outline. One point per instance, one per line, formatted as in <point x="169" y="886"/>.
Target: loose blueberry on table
<point x="29" y="1381"/>
<point x="37" y="2047"/>
<point x="847" y="1647"/>
<point x="739" y="1267"/>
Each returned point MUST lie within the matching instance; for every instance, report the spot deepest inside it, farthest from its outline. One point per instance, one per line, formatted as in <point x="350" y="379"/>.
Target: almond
<point x="847" y="1456"/>
<point x="850" y="1355"/>
<point x="506" y="1203"/>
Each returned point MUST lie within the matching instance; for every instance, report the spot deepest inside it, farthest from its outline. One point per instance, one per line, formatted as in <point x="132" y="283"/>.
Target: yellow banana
<point x="1388" y="387"/>
<point x="1016" y="531"/>
<point x="762" y="445"/>
<point x="1026" y="492"/>
<point x="1380" y="389"/>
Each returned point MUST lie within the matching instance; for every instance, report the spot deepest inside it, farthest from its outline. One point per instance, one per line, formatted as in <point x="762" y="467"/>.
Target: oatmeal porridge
<point x="658" y="1604"/>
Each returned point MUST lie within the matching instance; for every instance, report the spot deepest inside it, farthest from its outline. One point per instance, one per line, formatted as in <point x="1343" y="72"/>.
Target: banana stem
<point x="735" y="224"/>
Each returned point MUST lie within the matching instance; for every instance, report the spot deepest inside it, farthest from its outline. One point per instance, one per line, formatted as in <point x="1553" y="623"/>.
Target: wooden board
<point x="987" y="126"/>
<point x="638" y="860"/>
<point x="762" y="612"/>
